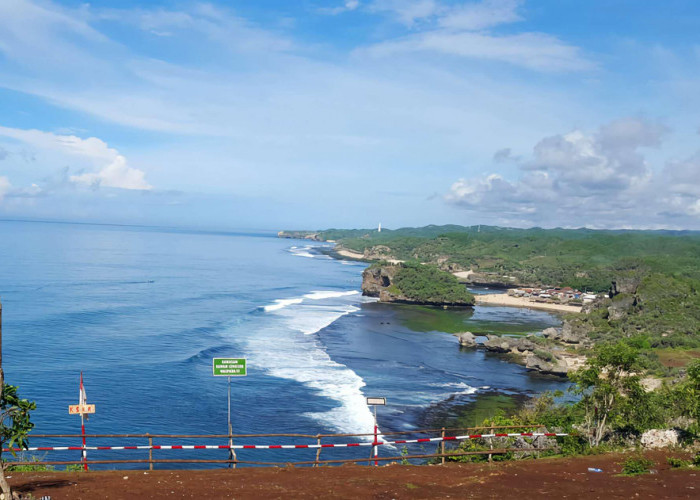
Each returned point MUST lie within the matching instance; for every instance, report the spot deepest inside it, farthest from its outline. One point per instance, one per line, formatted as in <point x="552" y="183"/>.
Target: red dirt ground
<point x="543" y="478"/>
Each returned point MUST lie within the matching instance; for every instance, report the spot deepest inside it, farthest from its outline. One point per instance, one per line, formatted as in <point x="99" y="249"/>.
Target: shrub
<point x="634" y="466"/>
<point x="678" y="463"/>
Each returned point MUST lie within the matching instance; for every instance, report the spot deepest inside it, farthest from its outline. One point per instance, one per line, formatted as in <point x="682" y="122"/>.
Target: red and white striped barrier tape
<point x="286" y="446"/>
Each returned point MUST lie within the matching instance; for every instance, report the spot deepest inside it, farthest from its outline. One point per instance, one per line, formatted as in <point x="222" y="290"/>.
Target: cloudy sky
<point x="346" y="113"/>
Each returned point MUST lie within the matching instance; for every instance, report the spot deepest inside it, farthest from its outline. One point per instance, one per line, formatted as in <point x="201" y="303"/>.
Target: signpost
<point x="229" y="367"/>
<point x="374" y="402"/>
<point x="82" y="409"/>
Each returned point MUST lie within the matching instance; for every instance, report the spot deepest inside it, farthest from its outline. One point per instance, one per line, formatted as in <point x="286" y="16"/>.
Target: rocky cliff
<point x="300" y="235"/>
<point x="414" y="284"/>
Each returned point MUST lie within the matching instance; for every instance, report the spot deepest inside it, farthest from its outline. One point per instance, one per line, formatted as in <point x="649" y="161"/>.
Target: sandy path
<point x="544" y="478"/>
<point x="502" y="299"/>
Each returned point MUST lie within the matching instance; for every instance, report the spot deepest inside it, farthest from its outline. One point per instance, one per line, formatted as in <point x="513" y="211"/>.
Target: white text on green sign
<point x="229" y="367"/>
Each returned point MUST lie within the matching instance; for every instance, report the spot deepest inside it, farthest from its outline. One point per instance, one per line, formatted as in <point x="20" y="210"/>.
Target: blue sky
<point x="311" y="114"/>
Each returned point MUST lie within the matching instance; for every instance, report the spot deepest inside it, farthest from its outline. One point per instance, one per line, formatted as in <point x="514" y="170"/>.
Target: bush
<point x="545" y="355"/>
<point x="634" y="466"/>
<point x="678" y="463"/>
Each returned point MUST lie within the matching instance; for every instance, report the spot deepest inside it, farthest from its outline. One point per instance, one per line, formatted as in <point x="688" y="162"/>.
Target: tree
<point x="15" y="425"/>
<point x="610" y="390"/>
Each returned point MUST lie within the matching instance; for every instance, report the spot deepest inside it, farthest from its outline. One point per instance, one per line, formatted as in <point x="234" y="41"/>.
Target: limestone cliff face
<point x="299" y="235"/>
<point x="376" y="282"/>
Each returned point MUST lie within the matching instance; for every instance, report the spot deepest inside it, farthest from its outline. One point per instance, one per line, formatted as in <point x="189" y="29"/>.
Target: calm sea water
<point x="142" y="312"/>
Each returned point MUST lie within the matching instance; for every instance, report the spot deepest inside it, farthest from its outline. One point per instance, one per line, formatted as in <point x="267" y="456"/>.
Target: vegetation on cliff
<point x="427" y="283"/>
<point x="580" y="258"/>
<point x="416" y="283"/>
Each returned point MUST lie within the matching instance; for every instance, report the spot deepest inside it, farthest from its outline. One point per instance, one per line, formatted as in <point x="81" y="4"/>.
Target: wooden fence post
<point x="442" y="446"/>
<point x="318" y="450"/>
<point x="150" y="452"/>
<point x="491" y="443"/>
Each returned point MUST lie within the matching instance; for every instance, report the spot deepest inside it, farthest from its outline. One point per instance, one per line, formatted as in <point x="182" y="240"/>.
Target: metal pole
<point x="82" y="430"/>
<point x="230" y="427"/>
<point x="376" y="448"/>
<point x="150" y="453"/>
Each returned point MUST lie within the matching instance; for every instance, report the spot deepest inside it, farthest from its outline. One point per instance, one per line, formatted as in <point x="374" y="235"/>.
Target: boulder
<point x="572" y="334"/>
<point x="620" y="307"/>
<point x="660" y="438"/>
<point x="555" y="367"/>
<point x="551" y="333"/>
<point x="467" y="339"/>
<point x="495" y="343"/>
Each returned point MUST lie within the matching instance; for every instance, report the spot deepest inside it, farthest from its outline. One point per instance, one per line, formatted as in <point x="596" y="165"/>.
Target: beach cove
<point x="142" y="311"/>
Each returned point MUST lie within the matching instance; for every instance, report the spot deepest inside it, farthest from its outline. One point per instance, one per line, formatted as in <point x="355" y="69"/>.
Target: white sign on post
<point x="376" y="401"/>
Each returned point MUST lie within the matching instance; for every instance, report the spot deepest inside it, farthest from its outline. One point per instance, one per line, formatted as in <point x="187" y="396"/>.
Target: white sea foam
<point x="282" y="303"/>
<point x="314" y="295"/>
<point x="329" y="294"/>
<point x="298" y="355"/>
<point x="316" y="318"/>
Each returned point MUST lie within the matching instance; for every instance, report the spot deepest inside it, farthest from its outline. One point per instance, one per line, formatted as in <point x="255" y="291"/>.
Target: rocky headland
<point x="300" y="235"/>
<point x="406" y="283"/>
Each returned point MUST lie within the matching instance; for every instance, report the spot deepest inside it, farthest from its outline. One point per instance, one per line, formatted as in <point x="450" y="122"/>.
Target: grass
<point x="676" y="358"/>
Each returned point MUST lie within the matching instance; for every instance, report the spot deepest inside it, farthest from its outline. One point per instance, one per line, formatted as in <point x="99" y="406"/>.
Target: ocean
<point x="142" y="312"/>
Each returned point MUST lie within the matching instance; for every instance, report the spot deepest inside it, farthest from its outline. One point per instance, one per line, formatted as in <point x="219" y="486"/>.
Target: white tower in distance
<point x="379" y="229"/>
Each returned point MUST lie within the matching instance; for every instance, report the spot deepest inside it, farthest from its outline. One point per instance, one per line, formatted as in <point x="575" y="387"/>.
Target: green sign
<point x="229" y="367"/>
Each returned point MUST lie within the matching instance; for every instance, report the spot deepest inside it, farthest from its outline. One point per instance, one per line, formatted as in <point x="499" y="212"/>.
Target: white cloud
<point x="407" y="12"/>
<point x="481" y="15"/>
<point x="347" y="6"/>
<point x="5" y="187"/>
<point x="535" y="51"/>
<point x="113" y="169"/>
<point x="601" y="179"/>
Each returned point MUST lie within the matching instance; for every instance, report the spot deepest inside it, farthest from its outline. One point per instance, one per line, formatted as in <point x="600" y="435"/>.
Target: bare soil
<point x="543" y="478"/>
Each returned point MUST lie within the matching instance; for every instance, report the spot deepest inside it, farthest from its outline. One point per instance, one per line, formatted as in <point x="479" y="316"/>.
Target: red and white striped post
<point x="374" y="402"/>
<point x="83" y="401"/>
<point x="82" y="409"/>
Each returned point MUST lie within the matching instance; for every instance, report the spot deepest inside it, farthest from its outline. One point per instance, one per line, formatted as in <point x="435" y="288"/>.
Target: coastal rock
<point x="625" y="284"/>
<point x="494" y="343"/>
<point x="516" y="345"/>
<point x="568" y="333"/>
<point x="376" y="280"/>
<point x="379" y="281"/>
<point x="621" y="306"/>
<point x="300" y="235"/>
<point x="660" y="438"/>
<point x="550" y="332"/>
<point x="378" y="252"/>
<point x="467" y="339"/>
<point x="556" y="366"/>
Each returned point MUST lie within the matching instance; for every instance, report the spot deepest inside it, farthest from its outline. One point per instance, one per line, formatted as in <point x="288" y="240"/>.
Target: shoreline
<point x="350" y="254"/>
<point x="502" y="299"/>
<point x="489" y="299"/>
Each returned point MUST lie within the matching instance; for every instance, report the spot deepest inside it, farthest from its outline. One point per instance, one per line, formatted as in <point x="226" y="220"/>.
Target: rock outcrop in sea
<point x="544" y="354"/>
<point x="431" y="286"/>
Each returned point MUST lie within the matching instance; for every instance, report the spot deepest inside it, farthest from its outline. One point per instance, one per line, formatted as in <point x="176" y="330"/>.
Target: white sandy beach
<point x="350" y="254"/>
<point x="502" y="299"/>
